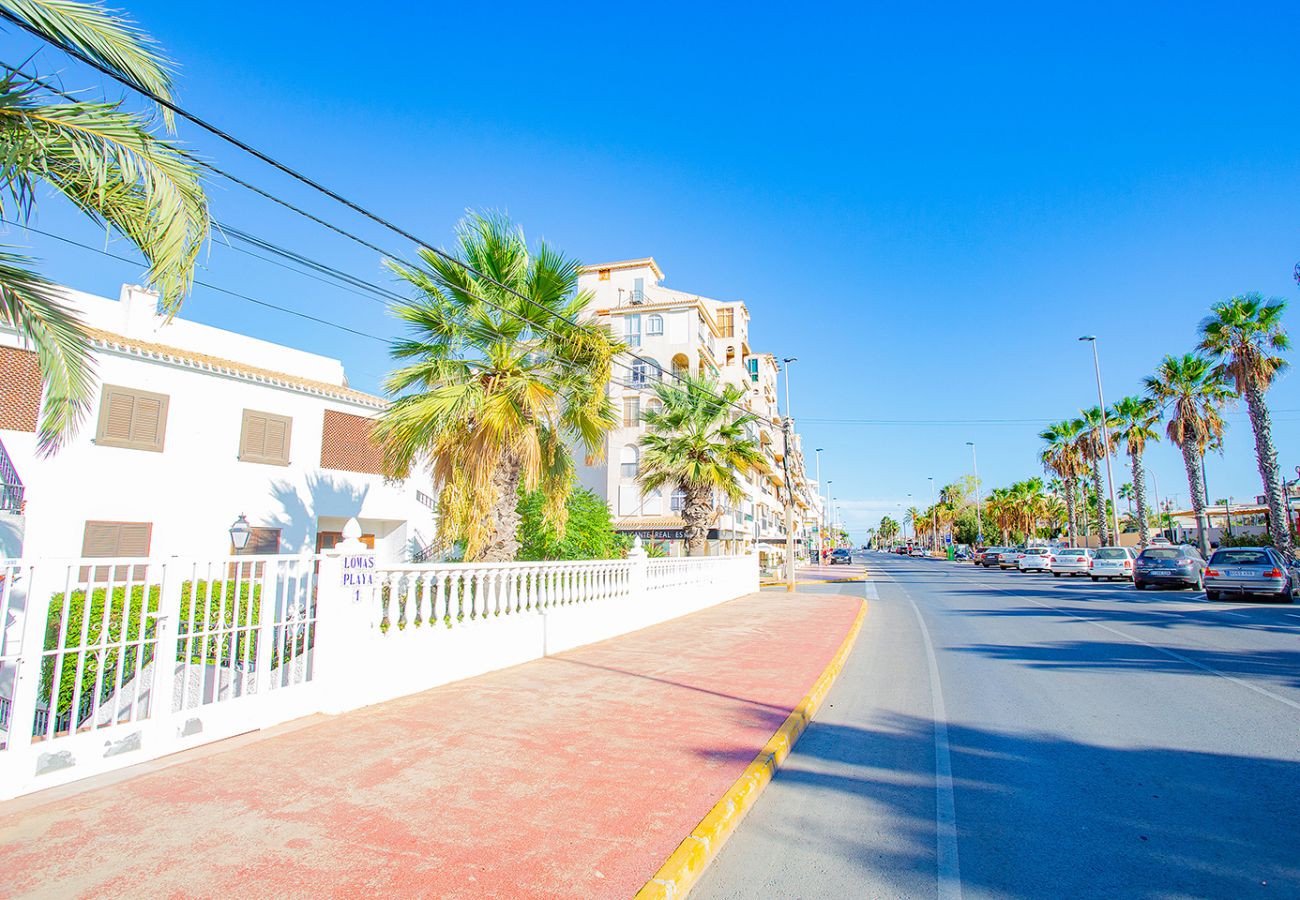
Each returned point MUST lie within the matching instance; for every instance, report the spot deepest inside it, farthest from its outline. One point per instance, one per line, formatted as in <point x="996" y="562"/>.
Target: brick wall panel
<point x="20" y="390"/>
<point x="346" y="444"/>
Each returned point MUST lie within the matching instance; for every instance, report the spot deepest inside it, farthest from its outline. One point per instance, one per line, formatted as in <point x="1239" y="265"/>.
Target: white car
<point x="1010" y="559"/>
<point x="1035" y="559"/>
<point x="1071" y="561"/>
<point x="1113" y="562"/>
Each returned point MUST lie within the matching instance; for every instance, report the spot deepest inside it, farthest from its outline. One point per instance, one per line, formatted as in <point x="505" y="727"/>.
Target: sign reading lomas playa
<point x="358" y="570"/>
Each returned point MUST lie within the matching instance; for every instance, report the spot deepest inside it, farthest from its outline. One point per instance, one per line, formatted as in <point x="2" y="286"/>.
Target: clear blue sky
<point x="927" y="205"/>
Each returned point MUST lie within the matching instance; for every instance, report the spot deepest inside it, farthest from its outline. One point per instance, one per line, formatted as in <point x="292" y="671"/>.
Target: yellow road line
<point x="683" y="868"/>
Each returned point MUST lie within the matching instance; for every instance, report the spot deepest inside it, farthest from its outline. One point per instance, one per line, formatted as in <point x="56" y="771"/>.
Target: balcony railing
<point x="11" y="486"/>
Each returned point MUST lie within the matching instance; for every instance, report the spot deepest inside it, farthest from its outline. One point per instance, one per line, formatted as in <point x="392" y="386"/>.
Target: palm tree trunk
<point x="502" y="543"/>
<point x="1140" y="495"/>
<point x="1069" y="510"/>
<point x="695" y="518"/>
<point x="1192" y="462"/>
<point x="1102" y="540"/>
<point x="1279" y="520"/>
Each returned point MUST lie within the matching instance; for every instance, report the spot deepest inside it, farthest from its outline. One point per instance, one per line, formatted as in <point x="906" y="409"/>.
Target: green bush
<point x="202" y="610"/>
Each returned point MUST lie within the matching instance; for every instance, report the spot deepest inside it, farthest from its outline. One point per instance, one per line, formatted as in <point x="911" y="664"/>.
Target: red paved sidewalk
<point x="821" y="574"/>
<point x="573" y="776"/>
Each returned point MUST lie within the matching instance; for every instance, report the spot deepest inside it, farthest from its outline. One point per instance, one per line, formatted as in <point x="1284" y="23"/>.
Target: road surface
<point x="1005" y="735"/>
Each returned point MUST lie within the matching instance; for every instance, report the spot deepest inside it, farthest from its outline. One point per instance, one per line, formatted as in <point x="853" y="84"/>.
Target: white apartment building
<point x="191" y="428"/>
<point x="673" y="331"/>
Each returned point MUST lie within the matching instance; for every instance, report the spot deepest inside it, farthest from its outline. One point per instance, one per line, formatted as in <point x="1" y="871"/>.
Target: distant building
<point x="669" y="332"/>
<point x="192" y="427"/>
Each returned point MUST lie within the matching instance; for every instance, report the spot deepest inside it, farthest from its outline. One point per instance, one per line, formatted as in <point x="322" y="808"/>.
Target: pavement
<point x="573" y="776"/>
<point x="822" y="575"/>
<point x="998" y="734"/>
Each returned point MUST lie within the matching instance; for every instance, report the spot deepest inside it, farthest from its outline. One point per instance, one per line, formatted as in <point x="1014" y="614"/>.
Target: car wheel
<point x="1094" y="578"/>
<point x="1212" y="595"/>
<point x="1056" y="574"/>
<point x="1199" y="583"/>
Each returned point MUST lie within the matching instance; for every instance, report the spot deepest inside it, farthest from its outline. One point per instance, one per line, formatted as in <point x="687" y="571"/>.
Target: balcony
<point x="11" y="486"/>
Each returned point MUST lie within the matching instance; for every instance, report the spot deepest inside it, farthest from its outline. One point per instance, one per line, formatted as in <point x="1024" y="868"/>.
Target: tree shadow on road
<point x="1037" y="816"/>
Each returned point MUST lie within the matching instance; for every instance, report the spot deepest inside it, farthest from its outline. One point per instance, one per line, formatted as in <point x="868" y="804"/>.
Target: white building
<point x="192" y="427"/>
<point x="673" y="331"/>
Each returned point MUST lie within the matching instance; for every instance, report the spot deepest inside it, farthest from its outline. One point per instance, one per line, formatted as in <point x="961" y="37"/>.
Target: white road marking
<point x="948" y="866"/>
<point x="1159" y="649"/>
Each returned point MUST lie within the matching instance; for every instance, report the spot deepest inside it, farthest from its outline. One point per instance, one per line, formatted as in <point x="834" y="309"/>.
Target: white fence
<point x="107" y="663"/>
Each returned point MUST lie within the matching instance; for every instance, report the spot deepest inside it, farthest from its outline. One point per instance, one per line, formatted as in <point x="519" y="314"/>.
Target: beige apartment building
<point x="669" y="332"/>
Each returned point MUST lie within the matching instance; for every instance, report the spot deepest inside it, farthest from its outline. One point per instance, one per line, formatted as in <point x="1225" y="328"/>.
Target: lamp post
<point x="1105" y="437"/>
<point x="821" y="522"/>
<point x="1155" y="492"/>
<point x="934" y="517"/>
<point x="240" y="532"/>
<point x="787" y="360"/>
<point x="979" y="517"/>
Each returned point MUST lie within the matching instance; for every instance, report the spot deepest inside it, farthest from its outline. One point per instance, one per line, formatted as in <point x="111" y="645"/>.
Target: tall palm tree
<point x="698" y="443"/>
<point x="1001" y="506"/>
<point x="1133" y="420"/>
<point x="914" y="518"/>
<point x="1062" y="456"/>
<point x="108" y="162"/>
<point x="494" y="389"/>
<point x="1125" y="490"/>
<point x="1093" y="447"/>
<point x="1196" y="392"/>
<point x="1242" y="334"/>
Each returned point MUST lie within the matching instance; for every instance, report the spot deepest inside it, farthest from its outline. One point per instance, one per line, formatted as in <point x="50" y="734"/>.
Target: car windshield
<point x="1073" y="551"/>
<point x="1112" y="553"/>
<point x="1241" y="557"/>
<point x="1161" y="553"/>
<point x="1036" y="551"/>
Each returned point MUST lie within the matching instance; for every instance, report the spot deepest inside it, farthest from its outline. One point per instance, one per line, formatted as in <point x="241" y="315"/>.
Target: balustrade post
<point x="638" y="572"/>
<point x="347" y="636"/>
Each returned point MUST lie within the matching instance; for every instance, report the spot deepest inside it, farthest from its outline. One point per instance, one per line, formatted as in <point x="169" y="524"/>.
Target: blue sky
<point x="926" y="205"/>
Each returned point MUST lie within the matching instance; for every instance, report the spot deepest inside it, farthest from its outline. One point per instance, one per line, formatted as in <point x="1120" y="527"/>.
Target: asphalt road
<point x="1005" y="735"/>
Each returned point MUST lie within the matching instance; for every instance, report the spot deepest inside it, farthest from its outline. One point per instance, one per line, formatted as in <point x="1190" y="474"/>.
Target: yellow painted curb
<point x="687" y="863"/>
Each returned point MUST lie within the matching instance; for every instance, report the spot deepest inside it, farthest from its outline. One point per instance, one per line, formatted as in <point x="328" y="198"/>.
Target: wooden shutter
<point x="136" y="420"/>
<point x="106" y="539"/>
<point x="264" y="438"/>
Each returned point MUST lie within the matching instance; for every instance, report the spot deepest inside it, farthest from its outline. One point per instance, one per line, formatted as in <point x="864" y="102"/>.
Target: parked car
<point x="1070" y="561"/>
<point x="1113" y="562"/>
<point x="1010" y="558"/>
<point x="841" y="556"/>
<point x="919" y="551"/>
<point x="1240" y="571"/>
<point x="1179" y="565"/>
<point x="988" y="556"/>
<point x="1034" y="559"/>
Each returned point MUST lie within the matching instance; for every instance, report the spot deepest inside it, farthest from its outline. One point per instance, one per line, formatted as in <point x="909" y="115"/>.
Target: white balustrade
<point x="109" y="662"/>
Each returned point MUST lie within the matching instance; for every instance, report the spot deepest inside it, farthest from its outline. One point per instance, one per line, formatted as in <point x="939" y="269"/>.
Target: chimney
<point x="139" y="311"/>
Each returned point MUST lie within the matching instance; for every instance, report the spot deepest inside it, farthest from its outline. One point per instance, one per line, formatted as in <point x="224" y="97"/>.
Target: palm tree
<point x="1001" y="505"/>
<point x="697" y="443"/>
<point x="1062" y="456"/>
<point x="494" y="388"/>
<point x="1093" y="448"/>
<point x="1197" y="392"/>
<point x="108" y="162"/>
<point x="914" y="518"/>
<point x="1125" y="491"/>
<point x="1134" y="417"/>
<point x="1242" y="334"/>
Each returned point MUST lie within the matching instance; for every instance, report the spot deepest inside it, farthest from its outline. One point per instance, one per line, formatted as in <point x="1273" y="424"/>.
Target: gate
<point x="109" y="662"/>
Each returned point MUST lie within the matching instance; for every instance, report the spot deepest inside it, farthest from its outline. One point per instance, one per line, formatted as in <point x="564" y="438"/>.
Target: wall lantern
<point x="240" y="533"/>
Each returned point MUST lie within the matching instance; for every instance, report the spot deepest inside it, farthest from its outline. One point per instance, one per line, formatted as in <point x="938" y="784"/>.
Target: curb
<point x="687" y="863"/>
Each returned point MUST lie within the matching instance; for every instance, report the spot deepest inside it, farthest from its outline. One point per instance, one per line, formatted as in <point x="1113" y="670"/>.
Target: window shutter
<point x="100" y="539"/>
<point x="104" y="539"/>
<point x="264" y="438"/>
<point x="133" y="539"/>
<point x="133" y="419"/>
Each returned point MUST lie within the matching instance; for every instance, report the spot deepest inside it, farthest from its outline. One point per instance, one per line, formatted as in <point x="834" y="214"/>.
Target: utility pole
<point x="934" y="518"/>
<point x="821" y="519"/>
<point x="1155" y="493"/>
<point x="789" y="506"/>
<point x="979" y="518"/>
<point x="1105" y="437"/>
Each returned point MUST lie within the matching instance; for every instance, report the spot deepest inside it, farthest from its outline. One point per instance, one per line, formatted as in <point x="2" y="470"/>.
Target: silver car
<point x="1070" y="561"/>
<point x="1112" y="562"/>
<point x="1239" y="571"/>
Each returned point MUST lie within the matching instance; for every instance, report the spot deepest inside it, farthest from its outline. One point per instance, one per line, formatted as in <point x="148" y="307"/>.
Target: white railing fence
<point x="105" y="663"/>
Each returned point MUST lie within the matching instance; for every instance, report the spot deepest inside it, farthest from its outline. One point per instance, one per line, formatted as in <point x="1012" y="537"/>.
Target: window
<point x="632" y="330"/>
<point x="328" y="540"/>
<point x="678" y="502"/>
<point x="133" y="419"/>
<point x="264" y="438"/>
<point x="640" y="372"/>
<point x="603" y="274"/>
<point x="727" y="322"/>
<point x="104" y="539"/>
<point x="731" y="355"/>
<point x="630" y="461"/>
<point x="638" y="290"/>
<point x="346" y="444"/>
<point x="753" y="368"/>
<point x="631" y="412"/>
<point x="260" y="541"/>
<point x="654" y="325"/>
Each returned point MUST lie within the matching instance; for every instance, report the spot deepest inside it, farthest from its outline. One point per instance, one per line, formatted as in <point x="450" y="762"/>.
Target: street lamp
<point x="979" y="518"/>
<point x="1105" y="437"/>
<point x="934" y="520"/>
<point x="821" y="524"/>
<point x="787" y="360"/>
<point x="240" y="533"/>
